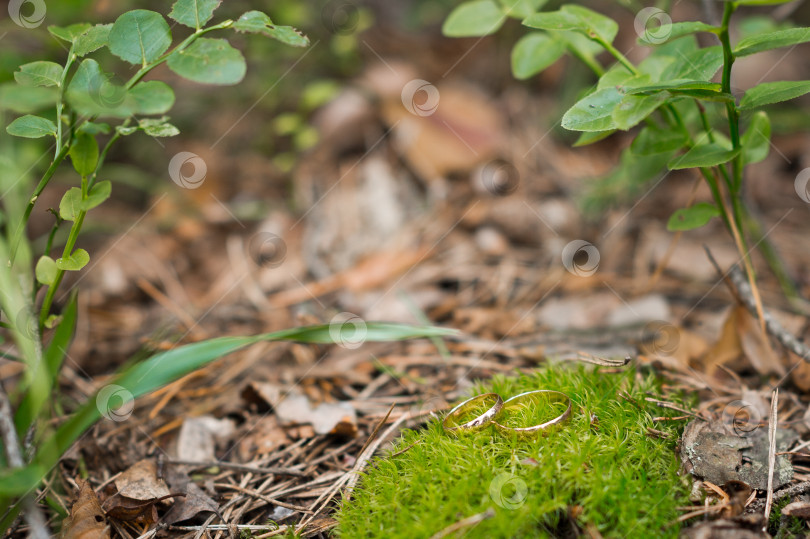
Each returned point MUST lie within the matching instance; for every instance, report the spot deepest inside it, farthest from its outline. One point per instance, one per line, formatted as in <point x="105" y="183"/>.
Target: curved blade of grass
<point x="53" y="356"/>
<point x="170" y="365"/>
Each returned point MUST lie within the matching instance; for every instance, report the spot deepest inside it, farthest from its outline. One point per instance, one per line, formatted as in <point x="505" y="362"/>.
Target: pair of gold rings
<point x="499" y="407"/>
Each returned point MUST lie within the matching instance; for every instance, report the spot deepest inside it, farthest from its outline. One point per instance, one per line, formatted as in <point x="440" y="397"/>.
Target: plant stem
<point x="103" y="155"/>
<point x="37" y="191"/>
<point x="60" y="273"/>
<point x="621" y="58"/>
<point x="60" y="101"/>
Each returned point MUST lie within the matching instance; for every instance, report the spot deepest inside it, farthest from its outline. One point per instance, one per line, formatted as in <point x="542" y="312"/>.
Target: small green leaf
<point x="209" y="61"/>
<point x="152" y="97"/>
<point x="520" y="9"/>
<point x="756" y="141"/>
<point x="589" y="137"/>
<point x="768" y="93"/>
<point x="29" y="126"/>
<point x="69" y="33"/>
<point x="772" y="40"/>
<point x="707" y="91"/>
<point x="74" y="262"/>
<point x="91" y="40"/>
<point x="632" y="109"/>
<point x="98" y="194"/>
<point x="575" y="18"/>
<point x="139" y="36"/>
<point x="674" y="31"/>
<point x="158" y="128"/>
<point x="194" y="13"/>
<point x="46" y="270"/>
<point x="653" y="140"/>
<point x="84" y="154"/>
<point x="533" y="53"/>
<point x="692" y="217"/>
<point x="700" y="65"/>
<point x="39" y="74"/>
<point x="256" y="22"/>
<point x="71" y="204"/>
<point x="472" y="19"/>
<point x="93" y="93"/>
<point x="704" y="155"/>
<point x="593" y="112"/>
<point x="94" y="128"/>
<point x="126" y="131"/>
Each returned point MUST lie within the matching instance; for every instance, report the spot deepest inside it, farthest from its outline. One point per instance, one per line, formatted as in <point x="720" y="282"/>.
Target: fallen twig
<point x="771" y="454"/>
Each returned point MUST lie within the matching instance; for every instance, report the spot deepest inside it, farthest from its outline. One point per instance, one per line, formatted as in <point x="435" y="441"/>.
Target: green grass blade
<point x="53" y="357"/>
<point x="170" y="365"/>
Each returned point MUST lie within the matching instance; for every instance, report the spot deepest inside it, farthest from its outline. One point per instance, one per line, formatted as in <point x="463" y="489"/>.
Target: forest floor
<point x="462" y="218"/>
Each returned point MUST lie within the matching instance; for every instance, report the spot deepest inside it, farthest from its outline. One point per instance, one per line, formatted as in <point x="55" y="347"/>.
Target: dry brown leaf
<point x="195" y="502"/>
<point x="800" y="374"/>
<point x="86" y="520"/>
<point x="197" y="439"/>
<point x="130" y="510"/>
<point x="263" y="435"/>
<point x="797" y="509"/>
<point x="140" y="482"/>
<point x="727" y="348"/>
<point x="327" y="418"/>
<point x="756" y="345"/>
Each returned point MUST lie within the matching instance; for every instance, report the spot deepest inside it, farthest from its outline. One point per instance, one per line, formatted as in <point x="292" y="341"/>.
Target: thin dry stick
<point x="262" y="497"/>
<point x="771" y="455"/>
<point x="464" y="523"/>
<point x="794" y="490"/>
<point x="241" y="467"/>
<point x="741" y="289"/>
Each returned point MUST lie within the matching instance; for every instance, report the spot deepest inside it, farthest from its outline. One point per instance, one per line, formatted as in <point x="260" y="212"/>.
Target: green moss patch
<point x="600" y="470"/>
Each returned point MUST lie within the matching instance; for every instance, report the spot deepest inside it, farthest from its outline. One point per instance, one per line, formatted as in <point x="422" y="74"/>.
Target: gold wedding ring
<point x="523" y="401"/>
<point x="479" y="423"/>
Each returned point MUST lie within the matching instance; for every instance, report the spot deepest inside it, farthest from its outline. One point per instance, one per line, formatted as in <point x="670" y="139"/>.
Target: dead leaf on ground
<point x="742" y="335"/>
<point x="197" y="439"/>
<point x="327" y="418"/>
<point x="797" y="509"/>
<point x="140" y="482"/>
<point x="86" y="520"/>
<point x="194" y="502"/>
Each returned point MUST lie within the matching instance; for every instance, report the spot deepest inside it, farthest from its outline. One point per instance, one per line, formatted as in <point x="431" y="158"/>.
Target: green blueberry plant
<point x="77" y="105"/>
<point x="669" y="99"/>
